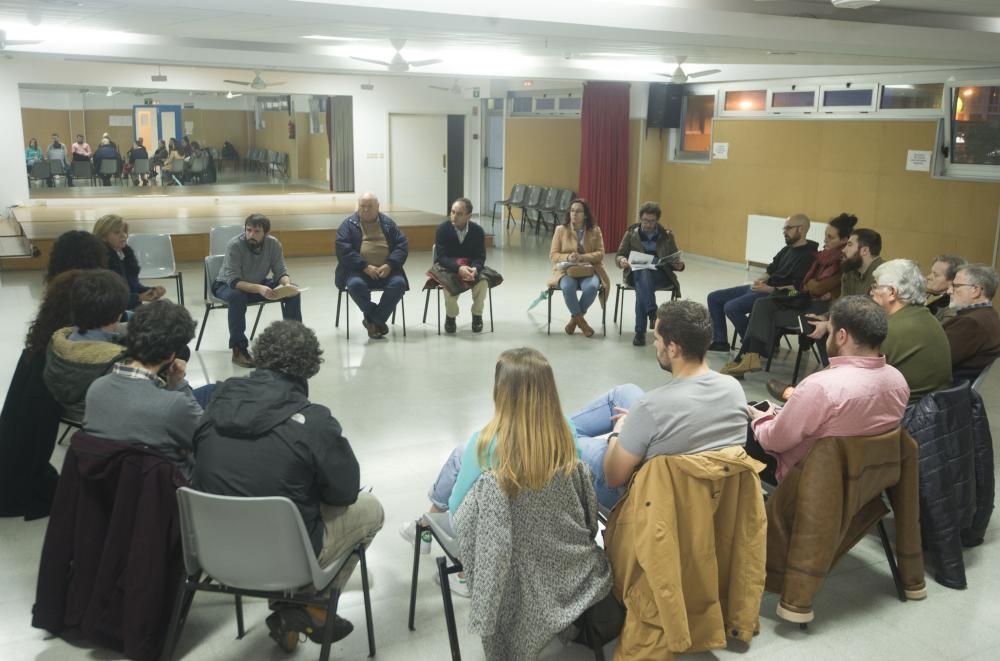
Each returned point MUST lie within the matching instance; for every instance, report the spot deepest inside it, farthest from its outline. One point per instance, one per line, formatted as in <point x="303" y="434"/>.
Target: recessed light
<point x="527" y="83"/>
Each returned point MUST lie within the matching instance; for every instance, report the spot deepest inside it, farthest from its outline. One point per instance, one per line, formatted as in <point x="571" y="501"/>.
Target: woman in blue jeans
<point x="577" y="256"/>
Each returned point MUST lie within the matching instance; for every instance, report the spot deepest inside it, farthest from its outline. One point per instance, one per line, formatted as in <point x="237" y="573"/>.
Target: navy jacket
<point x="349" y="259"/>
<point x="128" y="269"/>
<point x="448" y="250"/>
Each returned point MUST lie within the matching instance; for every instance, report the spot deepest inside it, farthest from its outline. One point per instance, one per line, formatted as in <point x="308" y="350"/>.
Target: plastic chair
<point x="223" y="538"/>
<point x="83" y="170"/>
<point x="546" y="205"/>
<point x="199" y="166"/>
<point x="623" y="287"/>
<point x="557" y="214"/>
<point x="431" y="285"/>
<point x="40" y="171"/>
<point x="176" y="171"/>
<point x="109" y="168"/>
<point x="982" y="377"/>
<point x="532" y="202"/>
<point x="220" y="236"/>
<point x="141" y="167"/>
<point x="213" y="264"/>
<point x="516" y="196"/>
<point x="155" y="254"/>
<point x="341" y="291"/>
<point x="440" y="528"/>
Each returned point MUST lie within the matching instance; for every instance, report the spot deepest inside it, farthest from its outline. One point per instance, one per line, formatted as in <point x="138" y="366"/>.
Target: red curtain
<point x="604" y="157"/>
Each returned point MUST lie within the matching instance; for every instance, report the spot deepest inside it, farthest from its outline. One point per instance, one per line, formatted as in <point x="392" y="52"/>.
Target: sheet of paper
<point x="640" y="261"/>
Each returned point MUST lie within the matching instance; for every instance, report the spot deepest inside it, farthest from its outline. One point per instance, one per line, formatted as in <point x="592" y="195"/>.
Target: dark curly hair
<point x="289" y="347"/>
<point x="54" y="312"/>
<point x="76" y="249"/>
<point x="844" y="224"/>
<point x="98" y="298"/>
<point x="588" y="216"/>
<point x="157" y="331"/>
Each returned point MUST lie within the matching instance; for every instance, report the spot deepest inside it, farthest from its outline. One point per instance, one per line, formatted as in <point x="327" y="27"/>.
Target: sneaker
<point x="457" y="584"/>
<point x="639" y="340"/>
<point x="449" y="325"/>
<point x="242" y="357"/>
<point x="311" y="620"/>
<point x="287" y="640"/>
<point x="719" y="346"/>
<point x="409" y="529"/>
<point x="477" y="323"/>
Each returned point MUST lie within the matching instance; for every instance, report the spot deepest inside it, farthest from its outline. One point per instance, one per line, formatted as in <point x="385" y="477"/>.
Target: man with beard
<point x="859" y="395"/>
<point x="243" y="280"/>
<point x="696" y="411"/>
<point x="974" y="331"/>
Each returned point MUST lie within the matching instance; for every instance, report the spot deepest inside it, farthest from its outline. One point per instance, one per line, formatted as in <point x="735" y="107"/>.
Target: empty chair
<point x="155" y="254"/>
<point x="223" y="539"/>
<point x="558" y="214"/>
<point x="39" y="172"/>
<point x="532" y="200"/>
<point x="83" y="170"/>
<point x="547" y="207"/>
<point x="516" y="196"/>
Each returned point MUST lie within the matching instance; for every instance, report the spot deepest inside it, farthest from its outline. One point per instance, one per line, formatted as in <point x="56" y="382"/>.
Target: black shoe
<point x="719" y="346"/>
<point x="383" y="328"/>
<point x="449" y="325"/>
<point x="374" y="332"/>
<point x="242" y="357"/>
<point x="299" y="619"/>
<point x="477" y="323"/>
<point x="287" y="639"/>
<point x="639" y="340"/>
<point x="652" y="320"/>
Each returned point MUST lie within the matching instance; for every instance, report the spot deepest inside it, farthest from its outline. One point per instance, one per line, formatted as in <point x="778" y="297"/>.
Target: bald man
<point x="371" y="251"/>
<point x="786" y="270"/>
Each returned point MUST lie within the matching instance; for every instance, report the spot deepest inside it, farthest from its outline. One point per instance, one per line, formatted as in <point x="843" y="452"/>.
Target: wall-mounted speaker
<point x="664" y="109"/>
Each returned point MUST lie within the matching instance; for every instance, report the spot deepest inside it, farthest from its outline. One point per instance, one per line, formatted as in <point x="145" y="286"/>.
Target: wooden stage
<point x="305" y="223"/>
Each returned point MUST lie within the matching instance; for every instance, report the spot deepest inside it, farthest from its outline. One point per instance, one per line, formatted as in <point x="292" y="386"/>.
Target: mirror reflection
<point x="113" y="141"/>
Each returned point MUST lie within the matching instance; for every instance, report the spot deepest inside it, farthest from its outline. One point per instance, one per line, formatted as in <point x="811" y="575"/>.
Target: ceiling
<point x="570" y="40"/>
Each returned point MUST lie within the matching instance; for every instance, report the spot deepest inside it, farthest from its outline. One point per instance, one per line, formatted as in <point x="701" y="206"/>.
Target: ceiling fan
<point x="257" y="83"/>
<point x="112" y="92"/>
<point x="680" y="77"/>
<point x="230" y="95"/>
<point x="454" y="89"/>
<point x="4" y="43"/>
<point x="397" y="64"/>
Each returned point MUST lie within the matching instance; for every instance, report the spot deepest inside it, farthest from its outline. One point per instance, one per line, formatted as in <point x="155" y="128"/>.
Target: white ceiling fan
<point x="112" y="92"/>
<point x="257" y="83"/>
<point x="230" y="95"/>
<point x="4" y="43"/>
<point x="679" y="76"/>
<point x="455" y="88"/>
<point x="397" y="64"/>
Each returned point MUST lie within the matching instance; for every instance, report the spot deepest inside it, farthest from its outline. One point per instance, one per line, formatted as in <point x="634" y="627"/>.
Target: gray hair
<point x="982" y="276"/>
<point x="863" y="319"/>
<point x="905" y="277"/>
<point x="289" y="347"/>
<point x="953" y="263"/>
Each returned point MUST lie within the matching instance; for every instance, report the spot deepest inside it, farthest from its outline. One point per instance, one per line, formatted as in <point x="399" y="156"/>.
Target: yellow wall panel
<point x="542" y="151"/>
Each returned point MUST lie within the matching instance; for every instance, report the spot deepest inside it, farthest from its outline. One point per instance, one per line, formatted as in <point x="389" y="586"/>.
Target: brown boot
<point x="584" y="326"/>
<point x="571" y="326"/>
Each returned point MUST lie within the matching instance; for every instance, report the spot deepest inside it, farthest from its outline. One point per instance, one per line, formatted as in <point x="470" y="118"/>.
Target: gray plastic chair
<point x="982" y="377"/>
<point x="223" y="538"/>
<point x="213" y="264"/>
<point x="342" y="291"/>
<point x="140" y="167"/>
<point x="83" y="170"/>
<point x="176" y="171"/>
<point x="439" y="525"/>
<point x="109" y="167"/>
<point x="155" y="253"/>
<point x="40" y="171"/>
<point x="220" y="235"/>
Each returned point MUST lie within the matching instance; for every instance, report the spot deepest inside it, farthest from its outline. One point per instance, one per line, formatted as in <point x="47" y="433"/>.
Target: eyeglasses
<point x="956" y="285"/>
<point x="877" y="286"/>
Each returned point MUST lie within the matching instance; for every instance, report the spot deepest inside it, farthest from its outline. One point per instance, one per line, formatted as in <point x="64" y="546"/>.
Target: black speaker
<point x="664" y="109"/>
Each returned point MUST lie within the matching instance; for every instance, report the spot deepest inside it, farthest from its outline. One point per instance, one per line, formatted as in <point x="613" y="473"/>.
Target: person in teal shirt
<point x="32" y="153"/>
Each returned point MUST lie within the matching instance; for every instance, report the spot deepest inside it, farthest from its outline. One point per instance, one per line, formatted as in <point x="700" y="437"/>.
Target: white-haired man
<point x="974" y="332"/>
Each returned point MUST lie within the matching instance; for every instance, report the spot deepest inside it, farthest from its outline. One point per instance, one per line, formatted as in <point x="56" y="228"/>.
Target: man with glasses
<point x="785" y="271"/>
<point x="650" y="238"/>
<point x="974" y="331"/>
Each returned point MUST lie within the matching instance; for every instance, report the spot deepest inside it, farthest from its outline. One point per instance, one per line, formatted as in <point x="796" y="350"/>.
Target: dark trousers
<point x="755" y="450"/>
<point x="646" y="282"/>
<point x="360" y="287"/>
<point x="734" y="304"/>
<point x="291" y="309"/>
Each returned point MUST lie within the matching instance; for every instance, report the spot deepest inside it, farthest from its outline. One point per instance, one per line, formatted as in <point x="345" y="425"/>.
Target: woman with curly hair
<point x="113" y="231"/>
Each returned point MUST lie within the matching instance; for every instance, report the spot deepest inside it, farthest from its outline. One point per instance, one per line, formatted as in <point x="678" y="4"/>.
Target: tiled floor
<point x="404" y="404"/>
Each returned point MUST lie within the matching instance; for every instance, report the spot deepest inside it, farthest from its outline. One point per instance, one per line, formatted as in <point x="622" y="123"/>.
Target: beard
<point x="256" y="247"/>
<point x="665" y="366"/>
<point x="832" y="350"/>
<point x="851" y="263"/>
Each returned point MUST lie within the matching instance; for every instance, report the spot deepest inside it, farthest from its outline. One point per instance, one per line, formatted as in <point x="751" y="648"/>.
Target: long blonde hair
<point x="533" y="439"/>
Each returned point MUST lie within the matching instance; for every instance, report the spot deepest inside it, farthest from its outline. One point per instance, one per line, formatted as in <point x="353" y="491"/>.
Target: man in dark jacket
<point x="107" y="152"/>
<point x="974" y="332"/>
<point x="460" y="248"/>
<point x="648" y="237"/>
<point x="261" y="436"/>
<point x="371" y="251"/>
<point x="786" y="270"/>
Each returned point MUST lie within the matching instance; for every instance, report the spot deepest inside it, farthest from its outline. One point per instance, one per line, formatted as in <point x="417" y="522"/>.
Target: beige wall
<point x="314" y="149"/>
<point x="274" y="137"/>
<point x="822" y="168"/>
<point x="542" y="151"/>
<point x="41" y="124"/>
<point x="214" y="127"/>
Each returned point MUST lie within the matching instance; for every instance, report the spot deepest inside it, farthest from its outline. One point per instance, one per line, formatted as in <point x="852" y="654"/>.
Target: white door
<point x="418" y="165"/>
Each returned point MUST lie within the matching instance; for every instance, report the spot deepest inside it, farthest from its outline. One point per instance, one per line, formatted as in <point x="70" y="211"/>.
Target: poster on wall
<point x="720" y="151"/>
<point x="918" y="160"/>
<point x="119" y="120"/>
<point x="188" y="127"/>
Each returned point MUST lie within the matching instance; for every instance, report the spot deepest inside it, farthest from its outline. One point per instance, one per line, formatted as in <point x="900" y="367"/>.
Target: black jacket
<point x="942" y="425"/>
<point x="447" y="249"/>
<point x="128" y="269"/>
<point x="349" y="237"/>
<point x="260" y="436"/>
<point x="790" y="265"/>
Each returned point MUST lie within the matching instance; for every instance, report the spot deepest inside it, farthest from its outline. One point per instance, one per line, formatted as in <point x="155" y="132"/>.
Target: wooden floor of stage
<point x="305" y="223"/>
<point x="246" y="185"/>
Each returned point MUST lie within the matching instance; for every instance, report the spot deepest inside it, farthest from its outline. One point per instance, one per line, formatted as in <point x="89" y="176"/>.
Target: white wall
<point x="392" y="94"/>
<point x="14" y="183"/>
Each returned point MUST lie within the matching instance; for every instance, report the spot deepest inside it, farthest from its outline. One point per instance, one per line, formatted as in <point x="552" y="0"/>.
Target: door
<point x="493" y="161"/>
<point x="146" y="126"/>
<point x="170" y="122"/>
<point x="418" y="162"/>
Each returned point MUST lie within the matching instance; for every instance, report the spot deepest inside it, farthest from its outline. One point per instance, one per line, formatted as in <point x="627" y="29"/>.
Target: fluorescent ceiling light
<point x="323" y="37"/>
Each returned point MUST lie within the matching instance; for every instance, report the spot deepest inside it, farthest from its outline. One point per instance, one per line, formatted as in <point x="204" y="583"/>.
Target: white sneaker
<point x="457" y="584"/>
<point x="409" y="530"/>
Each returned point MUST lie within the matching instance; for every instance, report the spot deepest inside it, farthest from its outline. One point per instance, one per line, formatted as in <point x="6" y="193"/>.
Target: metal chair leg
<point x="489" y="293"/>
<point x="240" y="631"/>
<point x="416" y="571"/>
<point x="892" y="560"/>
<point x="427" y="302"/>
<point x="366" y="591"/>
<point x="260" y="310"/>
<point x="439" y="309"/>
<point x="336" y="319"/>
<point x="449" y="609"/>
<point x="549" y="329"/>
<point x="402" y="303"/>
<point x="201" y="331"/>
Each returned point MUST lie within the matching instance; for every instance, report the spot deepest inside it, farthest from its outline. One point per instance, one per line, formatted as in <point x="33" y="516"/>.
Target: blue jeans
<point x="444" y="484"/>
<point x="592" y="423"/>
<point x="589" y="286"/>
<point x="291" y="308"/>
<point x="646" y="282"/>
<point x="360" y="287"/>
<point x="203" y="394"/>
<point x="734" y="303"/>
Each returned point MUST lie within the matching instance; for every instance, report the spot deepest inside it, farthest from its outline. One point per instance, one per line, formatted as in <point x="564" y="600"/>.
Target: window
<point x="743" y="101"/>
<point x="693" y="141"/>
<point x="545" y="105"/>
<point x="848" y="98"/>
<point x="911" y="97"/>
<point x="571" y="103"/>
<point x="793" y="100"/>
<point x="975" y="134"/>
<point x="566" y="103"/>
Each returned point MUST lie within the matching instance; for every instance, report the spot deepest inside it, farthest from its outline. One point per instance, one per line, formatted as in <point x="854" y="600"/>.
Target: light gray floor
<point x="404" y="404"/>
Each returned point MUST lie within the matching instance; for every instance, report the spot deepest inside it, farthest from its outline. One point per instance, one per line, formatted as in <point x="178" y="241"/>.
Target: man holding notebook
<point x="648" y="237"/>
<point x="244" y="280"/>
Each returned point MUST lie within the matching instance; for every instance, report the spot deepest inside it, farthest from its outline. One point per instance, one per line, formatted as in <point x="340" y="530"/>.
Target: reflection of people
<point x="371" y="251"/>
<point x="58" y="164"/>
<point x="243" y="279"/>
<point x="81" y="150"/>
<point x="261" y="436"/>
<point x="974" y="332"/>
<point x="107" y="152"/>
<point x="32" y="154"/>
<point x="650" y="238"/>
<point x="460" y="248"/>
<point x="138" y="153"/>
<point x="578" y="241"/>
<point x="113" y="231"/>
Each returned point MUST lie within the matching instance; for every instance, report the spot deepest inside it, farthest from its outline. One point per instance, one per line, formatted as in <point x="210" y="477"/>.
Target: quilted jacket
<point x="982" y="441"/>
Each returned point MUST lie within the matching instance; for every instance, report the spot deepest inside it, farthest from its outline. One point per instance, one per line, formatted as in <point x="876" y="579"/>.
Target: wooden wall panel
<point x="214" y="127"/>
<point x="98" y="123"/>
<point x="41" y="124"/>
<point x="542" y="151"/>
<point x="822" y="168"/>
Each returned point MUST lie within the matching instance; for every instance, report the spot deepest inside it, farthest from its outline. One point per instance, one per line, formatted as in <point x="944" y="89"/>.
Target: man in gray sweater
<point x="133" y="404"/>
<point x="243" y="280"/>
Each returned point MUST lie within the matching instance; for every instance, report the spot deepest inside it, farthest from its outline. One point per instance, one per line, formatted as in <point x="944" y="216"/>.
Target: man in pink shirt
<point x="858" y="395"/>
<point x="81" y="150"/>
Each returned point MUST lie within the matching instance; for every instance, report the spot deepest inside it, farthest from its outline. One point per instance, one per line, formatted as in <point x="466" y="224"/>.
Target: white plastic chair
<point x="223" y="538"/>
<point x="213" y="264"/>
<point x="155" y="253"/>
<point x="220" y="236"/>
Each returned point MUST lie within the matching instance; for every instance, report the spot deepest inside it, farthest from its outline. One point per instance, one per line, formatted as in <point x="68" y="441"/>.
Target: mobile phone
<point x="806" y="326"/>
<point x="763" y="406"/>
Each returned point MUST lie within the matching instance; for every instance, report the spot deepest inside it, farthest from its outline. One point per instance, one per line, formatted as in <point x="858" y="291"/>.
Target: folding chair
<point x="155" y="254"/>
<point x="440" y="528"/>
<point x="604" y="310"/>
<point x="623" y="287"/>
<point x="213" y="264"/>
<point x="224" y="540"/>
<point x="341" y="291"/>
<point x="516" y="196"/>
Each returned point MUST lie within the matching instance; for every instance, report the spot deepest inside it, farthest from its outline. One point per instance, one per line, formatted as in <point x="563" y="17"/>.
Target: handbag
<point x="580" y="270"/>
